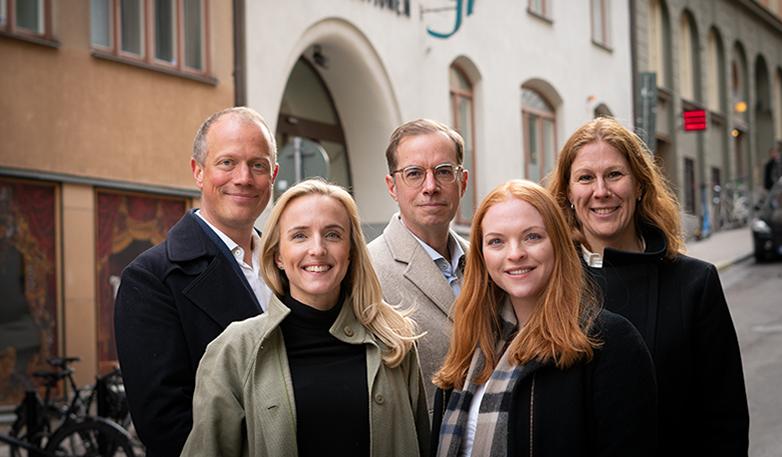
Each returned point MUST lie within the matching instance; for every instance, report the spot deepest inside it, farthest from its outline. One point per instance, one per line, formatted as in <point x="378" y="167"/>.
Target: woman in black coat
<point x="626" y="224"/>
<point x="534" y="367"/>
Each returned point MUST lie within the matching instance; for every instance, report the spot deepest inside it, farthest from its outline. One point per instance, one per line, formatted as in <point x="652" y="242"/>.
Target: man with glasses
<point x="418" y="258"/>
<point x="175" y="298"/>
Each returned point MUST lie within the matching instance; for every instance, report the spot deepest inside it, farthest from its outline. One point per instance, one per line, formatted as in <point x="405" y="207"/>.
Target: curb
<point x="725" y="264"/>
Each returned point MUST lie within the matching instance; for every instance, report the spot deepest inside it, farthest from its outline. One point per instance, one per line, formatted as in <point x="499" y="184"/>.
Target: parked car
<point x="767" y="225"/>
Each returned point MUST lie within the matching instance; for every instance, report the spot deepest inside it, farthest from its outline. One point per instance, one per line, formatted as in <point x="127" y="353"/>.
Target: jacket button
<point x="348" y="331"/>
<point x="379" y="399"/>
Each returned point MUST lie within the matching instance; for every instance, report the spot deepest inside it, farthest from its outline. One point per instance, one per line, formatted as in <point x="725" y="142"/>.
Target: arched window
<point x="778" y="104"/>
<point x="715" y="78"/>
<point x="659" y="39"/>
<point x="463" y="113"/>
<point x="688" y="57"/>
<point x="739" y="88"/>
<point x="539" y="129"/>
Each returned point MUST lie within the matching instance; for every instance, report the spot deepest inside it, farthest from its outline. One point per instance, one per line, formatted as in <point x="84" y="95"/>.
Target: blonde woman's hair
<point x="393" y="328"/>
<point x="557" y="330"/>
<point x="658" y="205"/>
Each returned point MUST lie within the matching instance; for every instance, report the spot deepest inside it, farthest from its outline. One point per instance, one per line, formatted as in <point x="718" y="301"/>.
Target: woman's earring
<point x="280" y="266"/>
<point x="572" y="206"/>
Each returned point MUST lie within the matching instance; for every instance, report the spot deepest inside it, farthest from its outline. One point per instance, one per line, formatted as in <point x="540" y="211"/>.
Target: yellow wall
<point x="65" y="111"/>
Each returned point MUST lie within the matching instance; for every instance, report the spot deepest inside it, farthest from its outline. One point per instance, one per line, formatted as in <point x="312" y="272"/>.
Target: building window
<point x="688" y="52"/>
<point x="777" y="103"/>
<point x="28" y="280"/>
<point x="739" y="83"/>
<point x="127" y="225"/>
<point x="659" y="38"/>
<point x="463" y="112"/>
<point x="689" y="186"/>
<point x="601" y="24"/>
<point x="164" y="33"/>
<point x="26" y="18"/>
<point x="539" y="129"/>
<point x="540" y="8"/>
<point x="715" y="78"/>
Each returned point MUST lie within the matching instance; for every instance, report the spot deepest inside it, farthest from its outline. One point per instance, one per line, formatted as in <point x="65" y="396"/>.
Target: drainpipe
<point x="240" y="82"/>
<point x="634" y="64"/>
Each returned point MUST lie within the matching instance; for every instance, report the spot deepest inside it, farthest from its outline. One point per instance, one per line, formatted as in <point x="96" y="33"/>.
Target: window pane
<point x="533" y="167"/>
<point x="164" y="30"/>
<point x="464" y="127"/>
<point x="548" y="151"/>
<point x="193" y="34"/>
<point x="100" y="18"/>
<point x="531" y="99"/>
<point x="2" y="12"/>
<point x="29" y="15"/>
<point x="132" y="26"/>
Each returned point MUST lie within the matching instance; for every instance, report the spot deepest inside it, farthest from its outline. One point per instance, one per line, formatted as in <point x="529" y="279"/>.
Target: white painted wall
<point x="385" y="69"/>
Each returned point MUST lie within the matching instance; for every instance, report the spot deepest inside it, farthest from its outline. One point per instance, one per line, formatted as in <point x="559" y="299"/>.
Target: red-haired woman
<point x="534" y="366"/>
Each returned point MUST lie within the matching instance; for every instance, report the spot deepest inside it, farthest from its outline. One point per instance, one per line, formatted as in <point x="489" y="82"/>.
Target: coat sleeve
<point x="415" y="386"/>
<point x="723" y="423"/>
<point x="624" y="392"/>
<point x="218" y="409"/>
<point x="154" y="360"/>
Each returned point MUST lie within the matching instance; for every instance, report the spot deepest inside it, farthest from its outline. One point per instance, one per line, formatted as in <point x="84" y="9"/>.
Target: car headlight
<point x="760" y="226"/>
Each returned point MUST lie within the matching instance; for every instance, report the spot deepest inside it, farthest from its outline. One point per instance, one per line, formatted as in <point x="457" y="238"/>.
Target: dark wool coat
<point x="604" y="407"/>
<point x="680" y="309"/>
<point x="173" y="300"/>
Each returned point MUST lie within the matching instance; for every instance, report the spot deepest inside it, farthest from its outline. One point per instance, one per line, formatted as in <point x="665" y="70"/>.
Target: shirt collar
<point x="592" y="259"/>
<point x="231" y="244"/>
<point x="456" y="251"/>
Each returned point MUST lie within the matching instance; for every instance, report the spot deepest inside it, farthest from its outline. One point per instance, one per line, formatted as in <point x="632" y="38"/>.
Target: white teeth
<point x="520" y="271"/>
<point x="317" y="268"/>
<point x="603" y="210"/>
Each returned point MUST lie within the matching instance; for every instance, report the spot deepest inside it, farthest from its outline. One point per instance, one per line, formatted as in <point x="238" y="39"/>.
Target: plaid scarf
<point x="491" y="433"/>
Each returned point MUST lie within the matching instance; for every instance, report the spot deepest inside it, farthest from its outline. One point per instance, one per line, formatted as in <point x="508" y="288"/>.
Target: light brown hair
<point x="422" y="127"/>
<point x="658" y="205"/>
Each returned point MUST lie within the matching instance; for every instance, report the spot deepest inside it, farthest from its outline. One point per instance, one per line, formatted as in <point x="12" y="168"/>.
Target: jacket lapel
<point x="216" y="289"/>
<point x="421" y="269"/>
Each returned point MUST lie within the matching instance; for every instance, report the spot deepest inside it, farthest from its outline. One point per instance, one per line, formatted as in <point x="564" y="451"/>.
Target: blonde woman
<point x="329" y="369"/>
<point x="534" y="367"/>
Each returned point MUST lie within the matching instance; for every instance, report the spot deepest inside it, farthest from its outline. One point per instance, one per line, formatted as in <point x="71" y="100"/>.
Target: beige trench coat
<point x="243" y="403"/>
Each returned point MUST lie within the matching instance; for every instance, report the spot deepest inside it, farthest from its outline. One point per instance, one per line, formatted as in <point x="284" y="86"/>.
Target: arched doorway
<point x="307" y="112"/>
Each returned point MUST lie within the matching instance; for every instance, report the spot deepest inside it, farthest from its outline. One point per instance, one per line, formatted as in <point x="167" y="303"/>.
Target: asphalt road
<point x="754" y="294"/>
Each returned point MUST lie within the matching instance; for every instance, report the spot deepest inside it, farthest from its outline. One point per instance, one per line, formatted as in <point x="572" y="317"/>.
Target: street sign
<point x="694" y="120"/>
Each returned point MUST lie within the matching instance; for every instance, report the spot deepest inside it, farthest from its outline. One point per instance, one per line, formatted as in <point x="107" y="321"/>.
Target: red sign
<point x="694" y="120"/>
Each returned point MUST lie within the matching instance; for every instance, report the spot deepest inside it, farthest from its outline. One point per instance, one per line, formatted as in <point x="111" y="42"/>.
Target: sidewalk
<point x="724" y="248"/>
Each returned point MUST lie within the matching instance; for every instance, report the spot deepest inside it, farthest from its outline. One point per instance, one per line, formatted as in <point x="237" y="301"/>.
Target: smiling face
<point x="314" y="249"/>
<point x="236" y="176"/>
<point x="427" y="210"/>
<point x="518" y="253"/>
<point x="604" y="193"/>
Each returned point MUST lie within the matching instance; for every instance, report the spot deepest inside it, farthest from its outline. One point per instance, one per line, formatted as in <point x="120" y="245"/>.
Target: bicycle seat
<point x="62" y="362"/>
<point x="52" y="377"/>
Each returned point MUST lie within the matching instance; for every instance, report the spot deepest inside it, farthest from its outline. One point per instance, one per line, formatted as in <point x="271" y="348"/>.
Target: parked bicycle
<point x="52" y="428"/>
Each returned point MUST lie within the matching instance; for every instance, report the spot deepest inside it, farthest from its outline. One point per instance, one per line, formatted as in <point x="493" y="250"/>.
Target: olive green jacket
<point x="243" y="403"/>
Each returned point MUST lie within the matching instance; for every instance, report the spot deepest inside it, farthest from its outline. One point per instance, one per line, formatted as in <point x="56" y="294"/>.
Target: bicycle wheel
<point x="92" y="437"/>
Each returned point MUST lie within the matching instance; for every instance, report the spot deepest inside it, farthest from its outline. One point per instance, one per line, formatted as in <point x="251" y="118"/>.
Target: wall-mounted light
<point x="318" y="57"/>
<point x="740" y="107"/>
<point x="735" y="133"/>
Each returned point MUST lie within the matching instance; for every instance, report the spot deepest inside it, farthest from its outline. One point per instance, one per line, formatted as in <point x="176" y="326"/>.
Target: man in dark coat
<point x="178" y="296"/>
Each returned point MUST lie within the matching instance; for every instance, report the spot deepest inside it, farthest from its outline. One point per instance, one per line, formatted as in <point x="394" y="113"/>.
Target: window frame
<point x="542" y="12"/>
<point x="148" y="58"/>
<point x="603" y="38"/>
<point x="456" y="94"/>
<point x="542" y="117"/>
<point x="690" y="197"/>
<point x="10" y="29"/>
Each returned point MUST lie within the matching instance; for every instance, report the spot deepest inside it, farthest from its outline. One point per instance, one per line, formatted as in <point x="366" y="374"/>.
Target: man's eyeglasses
<point x="414" y="175"/>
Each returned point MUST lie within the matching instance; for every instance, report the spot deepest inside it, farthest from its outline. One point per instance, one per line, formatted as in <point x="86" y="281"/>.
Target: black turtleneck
<point x="329" y="384"/>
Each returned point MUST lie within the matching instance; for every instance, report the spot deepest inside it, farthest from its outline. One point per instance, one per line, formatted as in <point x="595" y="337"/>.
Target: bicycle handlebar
<point x="62" y="362"/>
